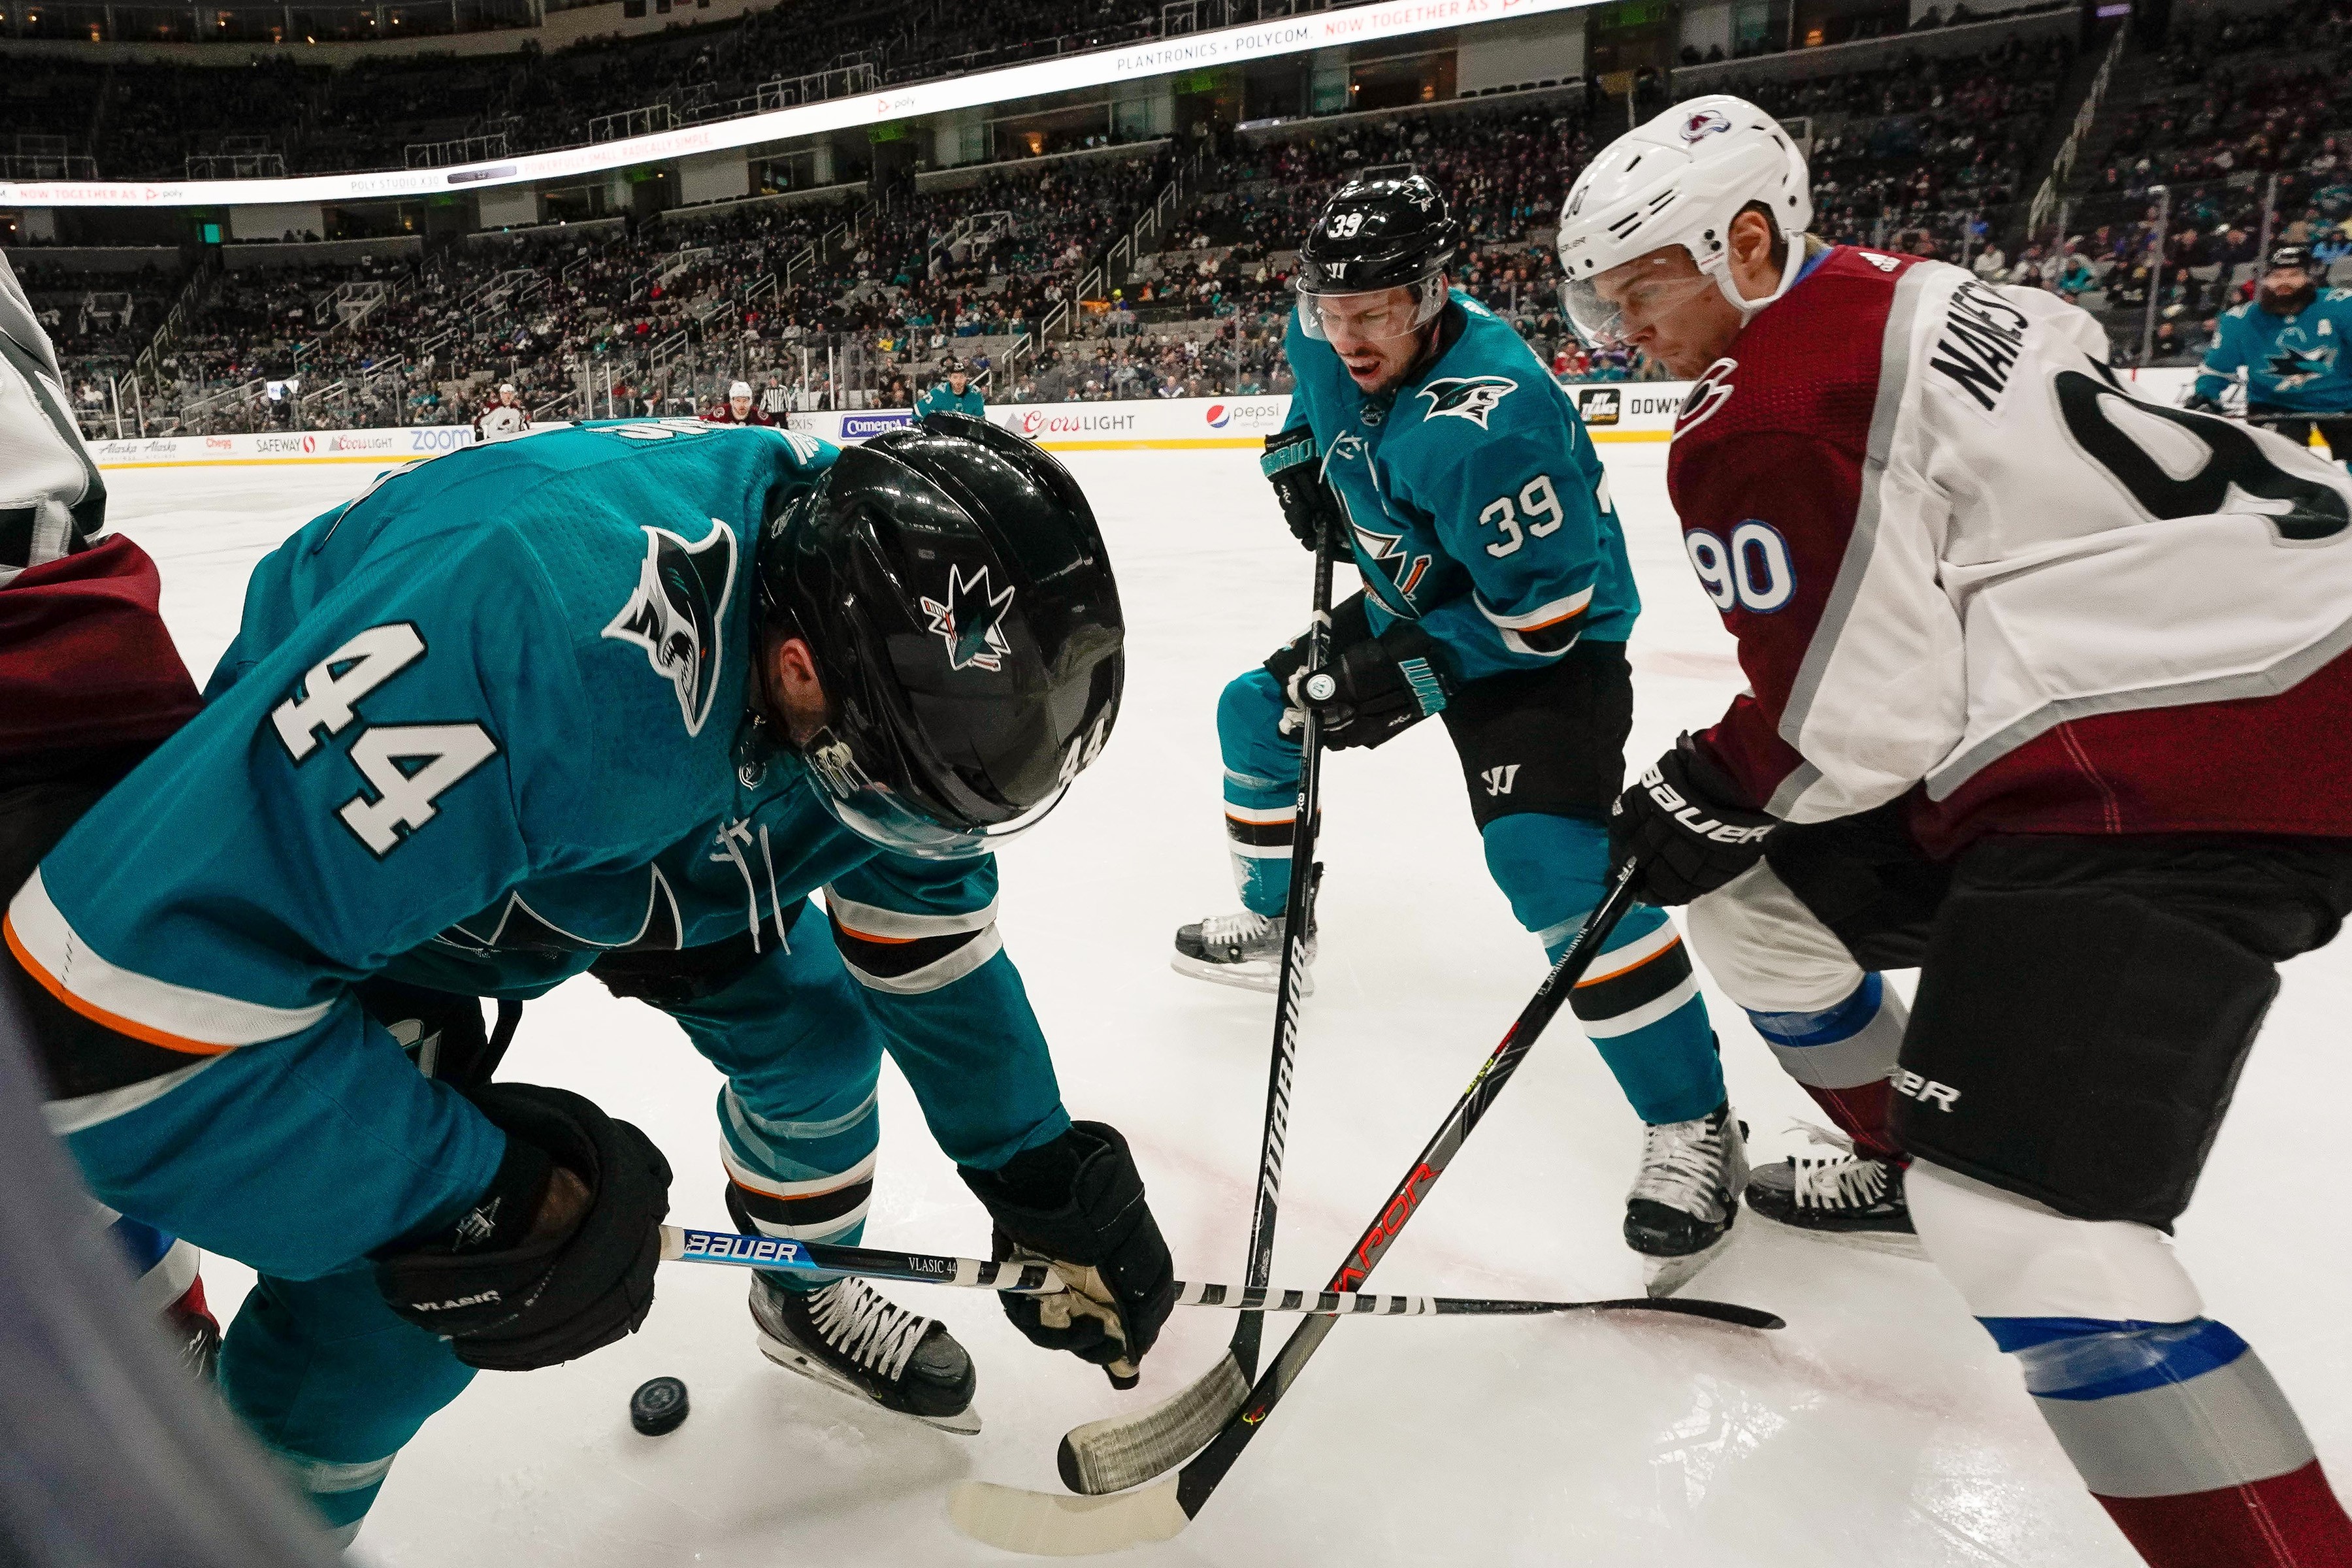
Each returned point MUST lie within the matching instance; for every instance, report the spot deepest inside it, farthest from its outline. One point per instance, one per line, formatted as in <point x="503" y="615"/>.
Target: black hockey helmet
<point x="952" y="583"/>
<point x="2285" y="256"/>
<point x="1376" y="233"/>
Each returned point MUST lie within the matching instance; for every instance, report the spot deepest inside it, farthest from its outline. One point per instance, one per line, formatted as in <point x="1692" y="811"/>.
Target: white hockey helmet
<point x="741" y="389"/>
<point x="1680" y="179"/>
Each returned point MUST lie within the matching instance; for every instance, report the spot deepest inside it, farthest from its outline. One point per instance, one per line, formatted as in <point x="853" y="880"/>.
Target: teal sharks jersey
<point x="2294" y="362"/>
<point x="1477" y="503"/>
<point x="939" y="399"/>
<point x="482" y="726"/>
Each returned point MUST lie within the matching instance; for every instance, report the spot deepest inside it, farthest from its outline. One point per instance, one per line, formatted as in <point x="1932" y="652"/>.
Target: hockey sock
<point x="1841" y="1055"/>
<point x="1259" y="838"/>
<point x="2183" y="1436"/>
<point x="1639" y="1003"/>
<point x="1260" y="789"/>
<point x="810" y="1180"/>
<point x="2171" y="1420"/>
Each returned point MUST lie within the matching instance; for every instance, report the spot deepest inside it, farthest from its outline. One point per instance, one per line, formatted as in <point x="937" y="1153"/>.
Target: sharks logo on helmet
<point x="972" y="621"/>
<point x="1471" y="397"/>
<point x="674" y="614"/>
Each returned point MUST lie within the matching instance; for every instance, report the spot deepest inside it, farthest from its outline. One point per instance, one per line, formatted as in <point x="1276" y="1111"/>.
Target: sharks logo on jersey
<point x="972" y="621"/>
<point x="2293" y="365"/>
<point x="1399" y="573"/>
<point x="1471" y="397"/>
<point x="674" y="614"/>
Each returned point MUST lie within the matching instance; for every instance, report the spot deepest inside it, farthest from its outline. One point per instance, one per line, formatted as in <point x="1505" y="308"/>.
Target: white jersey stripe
<point x="176" y="1017"/>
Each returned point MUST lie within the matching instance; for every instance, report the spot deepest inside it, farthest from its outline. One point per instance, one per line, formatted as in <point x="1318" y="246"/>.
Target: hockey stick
<point x="680" y="1244"/>
<point x="1045" y="1525"/>
<point x="1124" y="1451"/>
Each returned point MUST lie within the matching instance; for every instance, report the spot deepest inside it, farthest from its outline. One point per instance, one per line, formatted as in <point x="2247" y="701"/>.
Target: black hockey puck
<point x="659" y="1406"/>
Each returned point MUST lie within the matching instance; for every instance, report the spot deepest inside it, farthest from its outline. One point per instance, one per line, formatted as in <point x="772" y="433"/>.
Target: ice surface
<point x="1880" y="1428"/>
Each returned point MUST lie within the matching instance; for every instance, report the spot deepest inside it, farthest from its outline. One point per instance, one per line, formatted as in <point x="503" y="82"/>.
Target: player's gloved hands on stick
<point x="1679" y="820"/>
<point x="2197" y="403"/>
<point x="1372" y="689"/>
<point x="1293" y="464"/>
<point x="557" y="1258"/>
<point x="1078" y="1204"/>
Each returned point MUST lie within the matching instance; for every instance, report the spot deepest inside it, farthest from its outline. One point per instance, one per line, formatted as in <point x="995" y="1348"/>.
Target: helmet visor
<point x="1610" y="309"/>
<point x="1381" y="315"/>
<point x="890" y="820"/>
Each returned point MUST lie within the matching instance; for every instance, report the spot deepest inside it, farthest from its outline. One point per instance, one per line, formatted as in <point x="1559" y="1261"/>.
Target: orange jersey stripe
<point x="1645" y="958"/>
<point x="96" y="1013"/>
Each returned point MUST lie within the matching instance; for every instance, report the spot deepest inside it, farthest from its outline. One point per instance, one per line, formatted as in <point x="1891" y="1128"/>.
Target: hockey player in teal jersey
<point x="1497" y="595"/>
<point x="952" y="394"/>
<point x="2289" y="342"/>
<point x="613" y="700"/>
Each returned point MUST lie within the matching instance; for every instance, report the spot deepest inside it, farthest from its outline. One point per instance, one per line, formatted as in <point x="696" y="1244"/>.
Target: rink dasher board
<point x="1612" y="412"/>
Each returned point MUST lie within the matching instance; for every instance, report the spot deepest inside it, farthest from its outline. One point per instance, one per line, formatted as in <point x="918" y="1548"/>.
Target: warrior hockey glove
<point x="1294" y="467"/>
<point x="1373" y="688"/>
<point x="511" y="1295"/>
<point x="1077" y="1202"/>
<point x="1680" y="822"/>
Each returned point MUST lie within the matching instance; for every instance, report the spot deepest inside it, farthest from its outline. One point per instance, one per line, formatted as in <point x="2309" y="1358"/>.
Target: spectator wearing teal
<point x="952" y="396"/>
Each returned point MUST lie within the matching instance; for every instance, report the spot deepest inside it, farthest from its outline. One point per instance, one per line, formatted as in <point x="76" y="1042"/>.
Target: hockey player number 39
<point x="408" y="765"/>
<point x="1537" y="499"/>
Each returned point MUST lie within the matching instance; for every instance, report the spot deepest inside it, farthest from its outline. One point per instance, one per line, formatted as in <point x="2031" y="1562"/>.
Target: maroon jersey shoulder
<point x="1806" y="366"/>
<point x="84" y="657"/>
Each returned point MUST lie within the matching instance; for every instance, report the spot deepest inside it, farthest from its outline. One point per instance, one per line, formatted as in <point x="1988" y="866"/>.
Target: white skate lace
<point x="1847" y="1182"/>
<point x="870" y="1330"/>
<point x="1238" y="931"/>
<point x="1682" y="1167"/>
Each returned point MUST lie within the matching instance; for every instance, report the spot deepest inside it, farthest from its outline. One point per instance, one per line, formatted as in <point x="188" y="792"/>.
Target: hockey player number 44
<point x="408" y="765"/>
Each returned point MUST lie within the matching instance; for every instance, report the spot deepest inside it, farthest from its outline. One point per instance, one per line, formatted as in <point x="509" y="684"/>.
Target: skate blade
<point x="1267" y="980"/>
<point x="964" y="1422"/>
<point x="1662" y="1276"/>
<point x="1885" y="1243"/>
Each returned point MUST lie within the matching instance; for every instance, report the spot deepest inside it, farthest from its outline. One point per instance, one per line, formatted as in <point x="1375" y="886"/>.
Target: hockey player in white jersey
<point x="2047" y="693"/>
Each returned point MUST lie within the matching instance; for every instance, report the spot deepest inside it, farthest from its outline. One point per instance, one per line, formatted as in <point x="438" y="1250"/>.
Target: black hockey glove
<point x="510" y="1298"/>
<point x="1373" y="686"/>
<point x="1077" y="1202"/>
<point x="2197" y="404"/>
<point x="1293" y="463"/>
<point x="1680" y="821"/>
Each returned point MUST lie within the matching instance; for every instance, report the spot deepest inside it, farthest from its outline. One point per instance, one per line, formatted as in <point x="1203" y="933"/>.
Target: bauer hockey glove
<point x="1293" y="464"/>
<point x="1679" y="821"/>
<point x="1373" y="686"/>
<point x="511" y="1295"/>
<point x="1078" y="1204"/>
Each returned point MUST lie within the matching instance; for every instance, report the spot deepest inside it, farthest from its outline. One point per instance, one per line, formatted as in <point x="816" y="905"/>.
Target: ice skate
<point x="1680" y="1212"/>
<point x="849" y="1337"/>
<point x="1241" y="949"/>
<point x="1853" y="1199"/>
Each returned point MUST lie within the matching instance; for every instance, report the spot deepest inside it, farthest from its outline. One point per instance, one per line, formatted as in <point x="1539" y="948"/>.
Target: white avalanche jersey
<point x="1960" y="557"/>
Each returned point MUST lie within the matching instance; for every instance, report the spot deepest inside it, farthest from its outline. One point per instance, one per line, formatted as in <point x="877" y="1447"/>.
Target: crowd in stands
<point x="857" y="301"/>
<point x="2240" y="118"/>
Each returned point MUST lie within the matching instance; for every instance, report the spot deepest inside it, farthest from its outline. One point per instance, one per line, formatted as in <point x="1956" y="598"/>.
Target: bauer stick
<point x="1045" y="1525"/>
<point x="820" y="1260"/>
<point x="1102" y="1456"/>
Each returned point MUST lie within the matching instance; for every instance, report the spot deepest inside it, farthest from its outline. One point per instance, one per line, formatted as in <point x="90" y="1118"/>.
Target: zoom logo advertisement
<point x="440" y="438"/>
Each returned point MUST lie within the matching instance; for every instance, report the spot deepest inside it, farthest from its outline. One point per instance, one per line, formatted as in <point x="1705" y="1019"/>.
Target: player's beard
<point x="2288" y="304"/>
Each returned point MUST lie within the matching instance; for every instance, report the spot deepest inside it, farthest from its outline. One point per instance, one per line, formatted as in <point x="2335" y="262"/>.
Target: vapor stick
<point x="1042" y="1524"/>
<point x="1123" y="1451"/>
<point x="819" y="1259"/>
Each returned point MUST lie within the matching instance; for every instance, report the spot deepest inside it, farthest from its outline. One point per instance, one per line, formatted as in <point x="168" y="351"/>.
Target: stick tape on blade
<point x="1041" y="1524"/>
